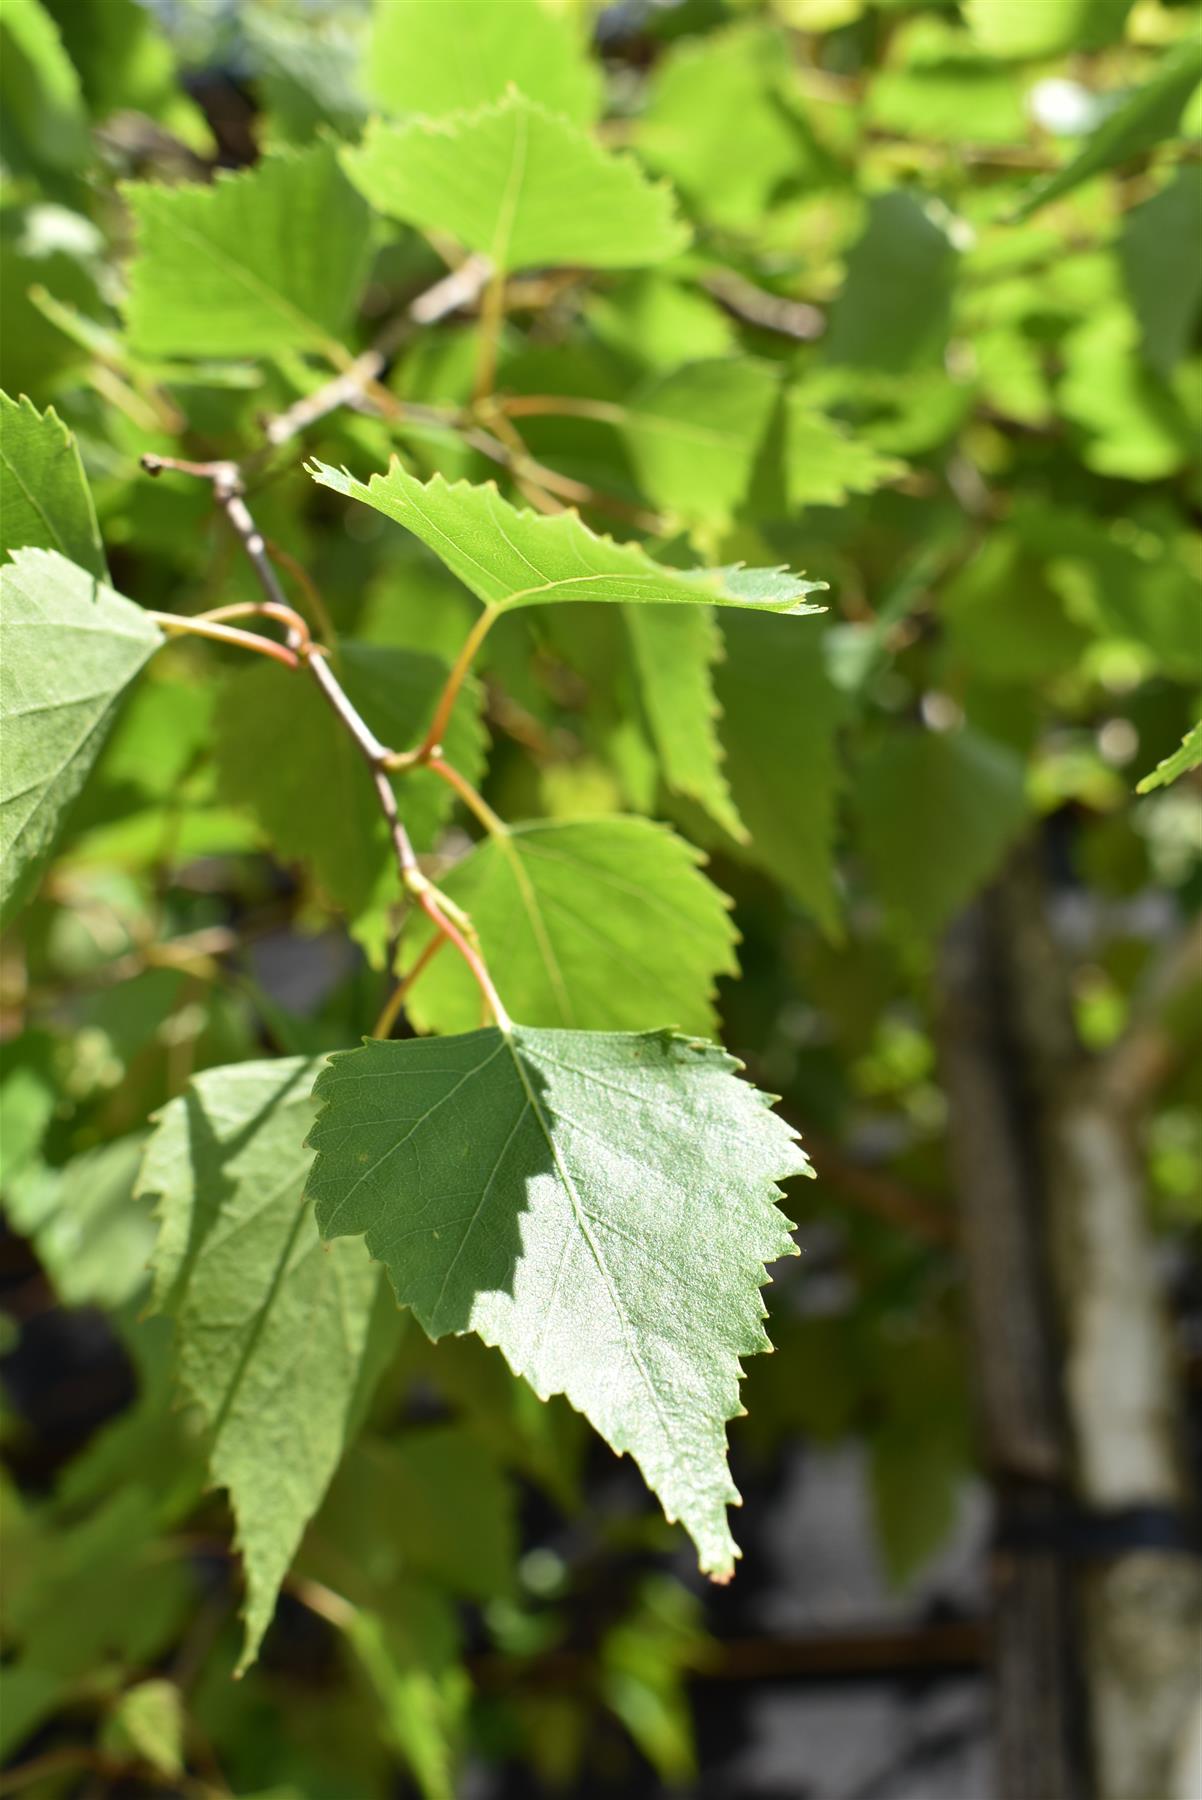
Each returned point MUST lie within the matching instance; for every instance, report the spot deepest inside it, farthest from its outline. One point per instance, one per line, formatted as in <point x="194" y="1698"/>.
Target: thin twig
<point x="226" y="481"/>
<point x="471" y="797"/>
<point x="770" y="312"/>
<point x="430" y="744"/>
<point x="181" y="625"/>
<point x="400" y="993"/>
<point x="461" y="288"/>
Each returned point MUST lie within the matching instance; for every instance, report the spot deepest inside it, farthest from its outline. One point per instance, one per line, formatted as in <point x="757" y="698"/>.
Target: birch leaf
<point x="520" y="185"/>
<point x="275" y="1332"/>
<point x="601" y="1212"/>
<point x="511" y="558"/>
<point x="45" y="501"/>
<point x="605" y="924"/>
<point x="69" y="647"/>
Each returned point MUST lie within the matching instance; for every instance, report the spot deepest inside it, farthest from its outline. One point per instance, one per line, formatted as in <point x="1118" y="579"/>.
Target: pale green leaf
<point x="510" y="558"/>
<point x="274" y="1332"/>
<point x="69" y="647"/>
<point x="147" y="1725"/>
<point x="1161" y="253"/>
<point x="45" y="501"/>
<point x="937" y="813"/>
<point x="722" y="126"/>
<point x="599" y="924"/>
<point x="268" y="260"/>
<point x="442" y="56"/>
<point x="674" y="650"/>
<point x="781" y="712"/>
<point x="1188" y="757"/>
<point x="520" y="185"/>
<point x="93" y="1238"/>
<point x="693" y="436"/>
<point x="1146" y="117"/>
<point x="317" y="803"/>
<point x="1031" y="28"/>
<point x="823" y="462"/>
<point x="600" y="1209"/>
<point x="43" y="123"/>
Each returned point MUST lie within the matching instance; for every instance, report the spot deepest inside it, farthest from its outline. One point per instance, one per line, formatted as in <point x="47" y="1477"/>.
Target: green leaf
<point x="699" y="89"/>
<point x="459" y="54"/>
<point x="269" y="260"/>
<point x="1161" y="253"/>
<point x="510" y="558"/>
<point x="45" y="501"/>
<point x="317" y="803"/>
<point x="693" y="436"/>
<point x="1188" y="757"/>
<point x="601" y="1213"/>
<point x="275" y="1334"/>
<point x="1031" y="28"/>
<point x="823" y="462"/>
<point x="938" y="85"/>
<point x="894" y="308"/>
<point x="674" y="650"/>
<point x="43" y="125"/>
<point x="70" y="648"/>
<point x="93" y="1238"/>
<point x="937" y="813"/>
<point x="1149" y="115"/>
<point x="597" y="924"/>
<point x="781" y="712"/>
<point x="147" y="1725"/>
<point x="519" y="184"/>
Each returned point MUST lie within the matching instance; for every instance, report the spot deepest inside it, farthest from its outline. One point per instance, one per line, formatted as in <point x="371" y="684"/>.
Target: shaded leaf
<point x="70" y="648"/>
<point x="519" y="184"/>
<point x="894" y="308"/>
<point x="674" y="650"/>
<point x="317" y="803"/>
<point x="1161" y="253"/>
<point x="781" y="712"/>
<point x="274" y="1333"/>
<point x="598" y="924"/>
<point x="602" y="1213"/>
<point x="937" y="812"/>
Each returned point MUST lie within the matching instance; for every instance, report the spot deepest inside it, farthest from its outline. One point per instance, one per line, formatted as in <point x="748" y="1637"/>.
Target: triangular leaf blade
<point x="602" y="1214"/>
<point x="597" y="924"/>
<point x="519" y="185"/>
<point x="270" y="259"/>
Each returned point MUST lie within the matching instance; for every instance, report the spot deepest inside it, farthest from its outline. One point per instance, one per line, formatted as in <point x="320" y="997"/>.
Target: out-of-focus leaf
<point x="269" y="260"/>
<point x="781" y="712"/>
<point x="937" y="812"/>
<point x="458" y="54"/>
<point x="1032" y="28"/>
<point x="147" y="1724"/>
<point x="520" y="184"/>
<point x="1161" y="254"/>
<point x="894" y="308"/>
<point x="1180" y="763"/>
<point x="92" y="1236"/>
<point x="674" y="650"/>
<point x="697" y="90"/>
<point x="1148" y="116"/>
<point x="317" y="804"/>
<point x="44" y="122"/>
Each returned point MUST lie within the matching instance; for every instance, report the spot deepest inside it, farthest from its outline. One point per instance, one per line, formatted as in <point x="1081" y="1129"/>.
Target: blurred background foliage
<point x="936" y="343"/>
